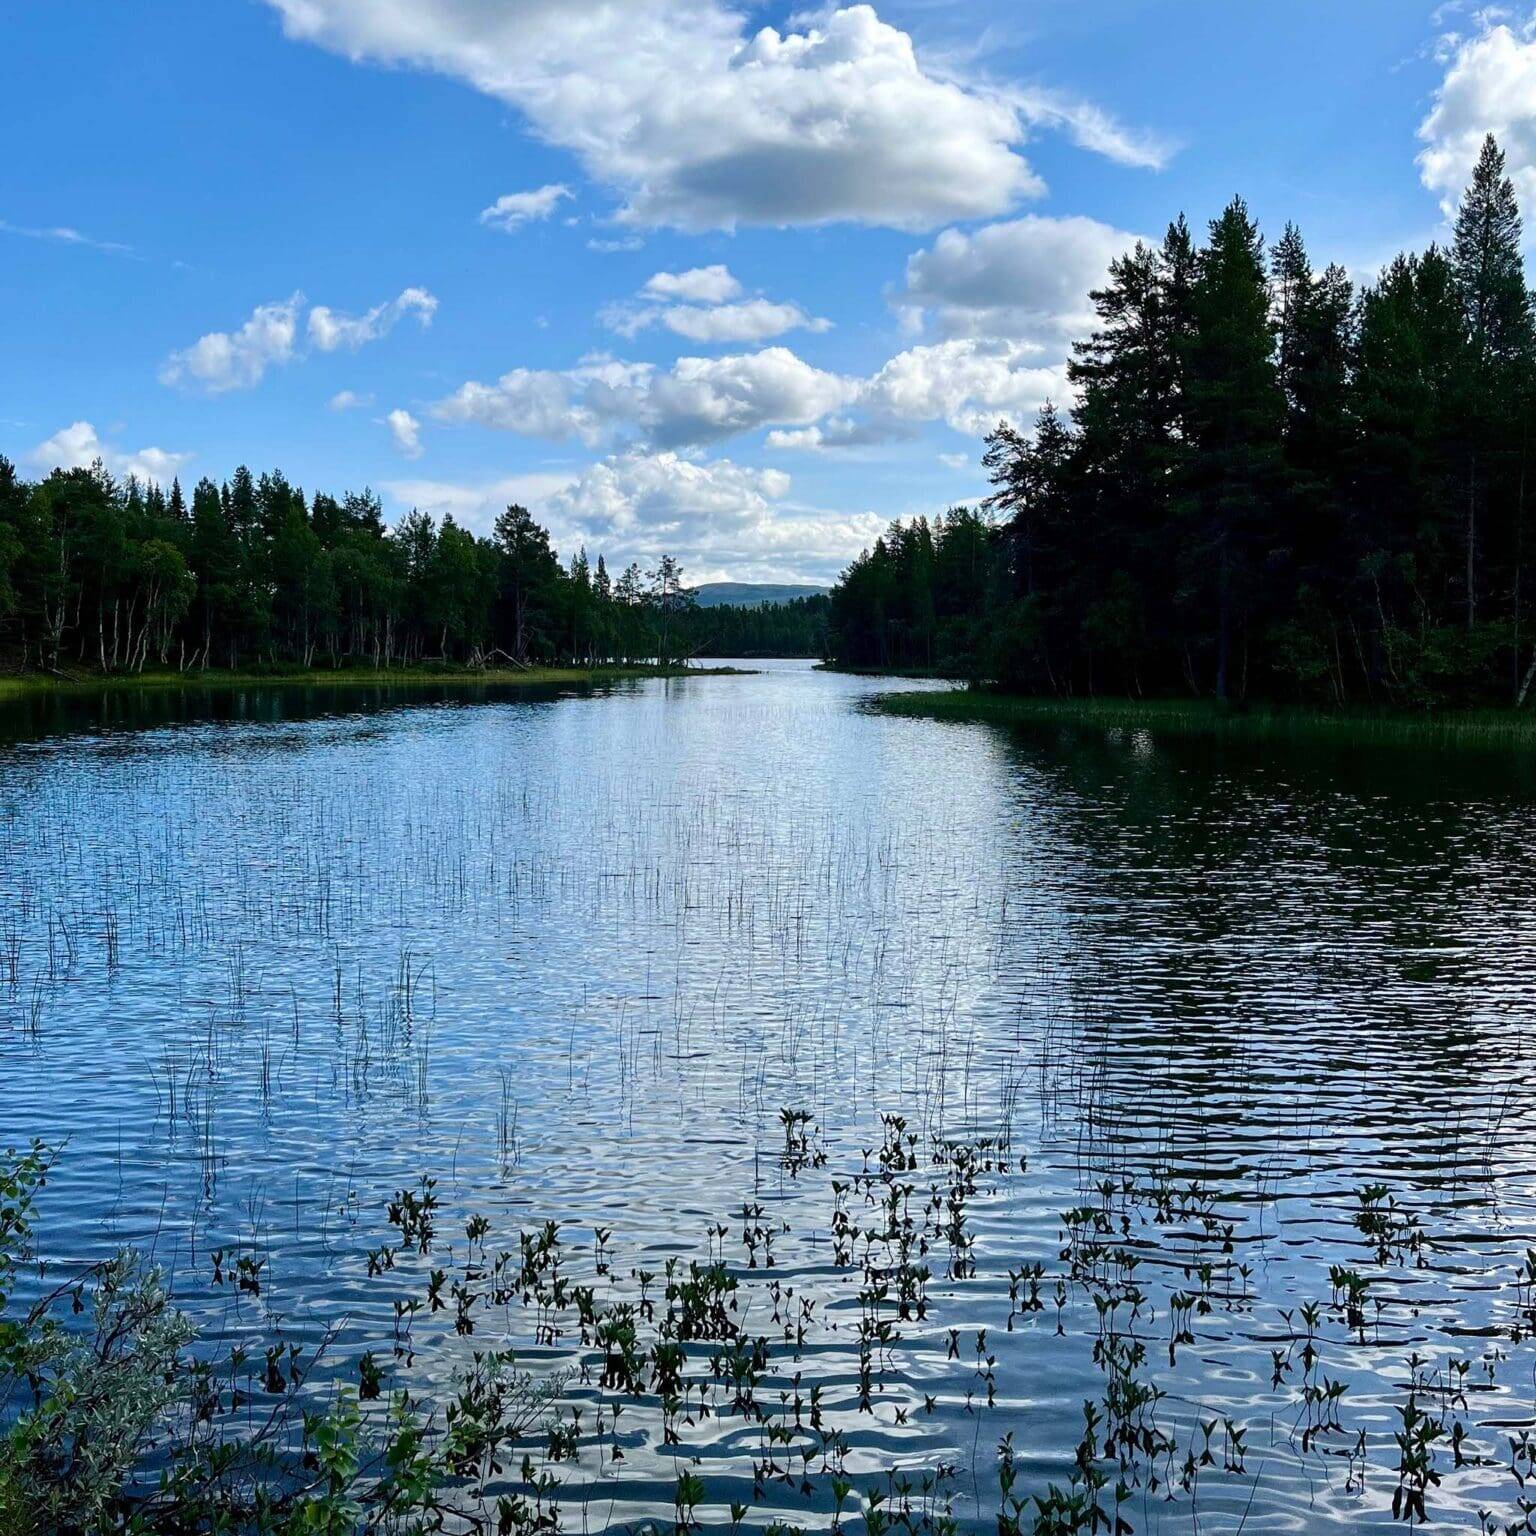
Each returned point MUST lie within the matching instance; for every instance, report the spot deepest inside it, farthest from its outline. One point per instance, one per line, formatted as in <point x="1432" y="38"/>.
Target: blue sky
<point x="738" y="283"/>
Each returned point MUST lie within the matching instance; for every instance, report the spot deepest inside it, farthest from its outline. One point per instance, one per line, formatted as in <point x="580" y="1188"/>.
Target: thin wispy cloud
<point x="65" y="234"/>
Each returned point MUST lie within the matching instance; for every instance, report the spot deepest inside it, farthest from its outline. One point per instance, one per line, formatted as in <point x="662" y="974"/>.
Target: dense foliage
<point x="797" y="627"/>
<point x="1271" y="485"/>
<point x="123" y="575"/>
<point x="112" y="1419"/>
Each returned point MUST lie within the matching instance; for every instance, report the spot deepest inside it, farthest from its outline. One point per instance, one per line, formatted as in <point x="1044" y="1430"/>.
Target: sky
<point x="739" y="283"/>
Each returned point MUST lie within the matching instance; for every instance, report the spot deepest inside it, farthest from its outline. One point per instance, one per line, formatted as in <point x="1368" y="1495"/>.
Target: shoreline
<point x="19" y="687"/>
<point x="1205" y="719"/>
<point x="923" y="674"/>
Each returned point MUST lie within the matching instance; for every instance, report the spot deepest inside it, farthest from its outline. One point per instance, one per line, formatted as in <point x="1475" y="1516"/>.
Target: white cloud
<point x="329" y="330"/>
<point x="699" y="400"/>
<point x="533" y="402"/>
<point x="701" y="126"/>
<point x="840" y="432"/>
<point x="751" y="320"/>
<point x="967" y="382"/>
<point x="78" y="447"/>
<point x="698" y="285"/>
<point x="1093" y="128"/>
<point x="1489" y="87"/>
<point x="406" y="431"/>
<point x="652" y="495"/>
<point x="65" y="234"/>
<point x="224" y="360"/>
<point x="517" y="208"/>
<point x="698" y="304"/>
<point x="706" y="399"/>
<point x="349" y="400"/>
<point x="1028" y="277"/>
<point x="721" y="519"/>
<point x="475" y="507"/>
<point x="717" y="517"/>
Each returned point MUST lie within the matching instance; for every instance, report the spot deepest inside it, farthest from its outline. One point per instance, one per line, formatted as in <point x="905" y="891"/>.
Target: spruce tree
<point x="1291" y="271"/>
<point x="1490" y="272"/>
<point x="1490" y="278"/>
<point x="1236" y="409"/>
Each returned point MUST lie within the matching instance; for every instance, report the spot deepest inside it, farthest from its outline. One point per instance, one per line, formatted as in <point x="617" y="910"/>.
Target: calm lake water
<point x="1156" y="1015"/>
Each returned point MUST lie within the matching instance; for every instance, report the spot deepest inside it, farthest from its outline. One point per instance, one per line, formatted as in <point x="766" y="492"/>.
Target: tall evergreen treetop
<point x="1490" y="272"/>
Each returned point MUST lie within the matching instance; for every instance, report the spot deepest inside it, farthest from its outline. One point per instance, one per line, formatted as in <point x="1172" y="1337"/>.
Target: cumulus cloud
<point x="1028" y="277"/>
<point x="518" y="208"/>
<point x="968" y="382"/>
<point x="475" y="506"/>
<point x="712" y="311"/>
<point x="349" y="400"/>
<point x="329" y="330"/>
<point x="77" y="446"/>
<point x="406" y="432"/>
<point x="533" y="402"/>
<point x="698" y="285"/>
<point x="1489" y="87"/>
<point x="698" y="400"/>
<point x="703" y="400"/>
<point x="652" y="495"/>
<point x="699" y="125"/>
<point x="225" y="360"/>
<point x="751" y="320"/>
<point x="839" y="432"/>
<point x="721" y="519"/>
<point x="717" y="517"/>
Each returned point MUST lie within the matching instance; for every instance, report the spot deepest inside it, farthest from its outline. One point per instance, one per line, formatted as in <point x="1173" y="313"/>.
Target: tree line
<point x="1271" y="485"/>
<point x="123" y="575"/>
<point x="796" y="626"/>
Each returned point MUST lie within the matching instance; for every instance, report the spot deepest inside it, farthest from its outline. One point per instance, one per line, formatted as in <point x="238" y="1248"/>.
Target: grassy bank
<point x="40" y="685"/>
<point x="1489" y="728"/>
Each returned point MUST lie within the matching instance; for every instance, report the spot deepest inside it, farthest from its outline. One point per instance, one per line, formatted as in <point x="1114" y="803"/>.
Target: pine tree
<point x="1237" y="411"/>
<point x="529" y="573"/>
<point x="1291" y="272"/>
<point x="1490" y="277"/>
<point x="1490" y="272"/>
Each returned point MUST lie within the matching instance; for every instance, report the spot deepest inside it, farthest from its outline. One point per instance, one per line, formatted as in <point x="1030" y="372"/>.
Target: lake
<point x="1000" y="1071"/>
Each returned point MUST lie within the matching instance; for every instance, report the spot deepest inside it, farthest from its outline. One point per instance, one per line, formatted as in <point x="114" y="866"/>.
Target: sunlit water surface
<point x="265" y="963"/>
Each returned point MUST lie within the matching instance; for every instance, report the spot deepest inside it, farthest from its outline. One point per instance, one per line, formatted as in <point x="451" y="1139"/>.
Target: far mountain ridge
<point x="751" y="594"/>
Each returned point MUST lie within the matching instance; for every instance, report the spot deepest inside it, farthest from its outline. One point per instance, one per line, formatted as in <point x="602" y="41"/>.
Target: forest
<point x="122" y="576"/>
<point x="795" y="626"/>
<point x="1271" y="486"/>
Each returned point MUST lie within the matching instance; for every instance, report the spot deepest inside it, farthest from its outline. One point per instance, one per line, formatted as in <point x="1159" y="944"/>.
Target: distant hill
<point x="750" y="594"/>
